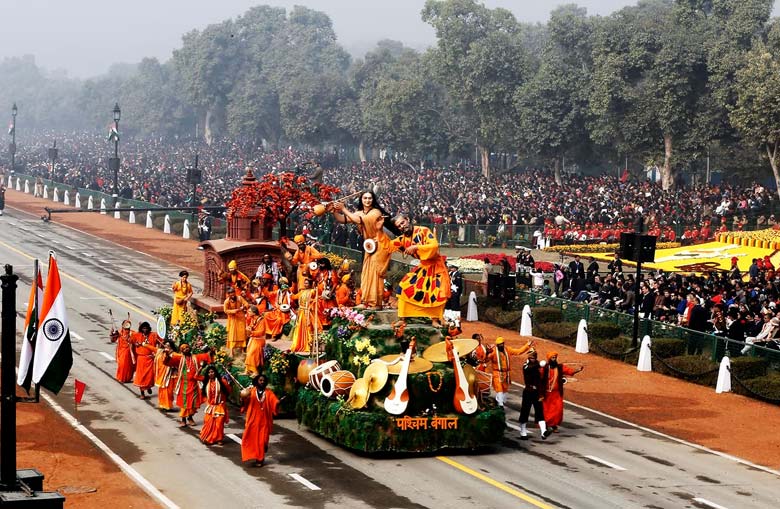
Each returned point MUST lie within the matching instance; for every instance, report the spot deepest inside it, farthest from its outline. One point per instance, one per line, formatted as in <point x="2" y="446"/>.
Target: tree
<point x="552" y="106"/>
<point x="756" y="114"/>
<point x="481" y="61"/>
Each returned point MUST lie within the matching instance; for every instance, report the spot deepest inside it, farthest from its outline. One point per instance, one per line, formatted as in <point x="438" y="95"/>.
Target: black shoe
<point x="546" y="433"/>
<point x="523" y="437"/>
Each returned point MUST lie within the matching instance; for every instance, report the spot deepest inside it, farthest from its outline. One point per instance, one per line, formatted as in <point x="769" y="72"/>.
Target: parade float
<point x="368" y="383"/>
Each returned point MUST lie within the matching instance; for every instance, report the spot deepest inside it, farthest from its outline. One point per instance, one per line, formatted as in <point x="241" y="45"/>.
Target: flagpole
<point x="8" y="381"/>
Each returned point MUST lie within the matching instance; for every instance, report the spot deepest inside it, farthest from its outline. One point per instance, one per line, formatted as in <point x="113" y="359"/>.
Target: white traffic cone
<point x="582" y="337"/>
<point x="645" y="361"/>
<point x="724" y="376"/>
<point x="526" y="327"/>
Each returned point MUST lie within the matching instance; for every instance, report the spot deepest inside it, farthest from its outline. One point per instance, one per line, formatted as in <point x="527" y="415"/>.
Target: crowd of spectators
<point x="155" y="171"/>
<point x="744" y="307"/>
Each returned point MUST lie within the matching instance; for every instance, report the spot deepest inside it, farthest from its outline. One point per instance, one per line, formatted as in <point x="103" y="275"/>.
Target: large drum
<point x="337" y="384"/>
<point x="316" y="375"/>
<point x="484" y="382"/>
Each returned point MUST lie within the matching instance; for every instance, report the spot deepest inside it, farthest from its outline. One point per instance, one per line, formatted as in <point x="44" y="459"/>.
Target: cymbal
<point x="438" y="351"/>
<point x="417" y="365"/>
<point x="358" y="394"/>
<point x="376" y="373"/>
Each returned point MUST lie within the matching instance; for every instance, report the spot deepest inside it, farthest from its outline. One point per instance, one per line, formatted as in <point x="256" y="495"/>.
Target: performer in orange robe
<point x="344" y="293"/>
<point x="234" y="306"/>
<point x="215" y="393"/>
<point x="164" y="377"/>
<point x="425" y="290"/>
<point x="182" y="292"/>
<point x="255" y="329"/>
<point x="326" y="281"/>
<point x="553" y="396"/>
<point x="302" y="258"/>
<point x="282" y="313"/>
<point x="498" y="359"/>
<point x="307" y="324"/>
<point x="260" y="406"/>
<point x="145" y="343"/>
<point x="125" y="356"/>
<point x="187" y="393"/>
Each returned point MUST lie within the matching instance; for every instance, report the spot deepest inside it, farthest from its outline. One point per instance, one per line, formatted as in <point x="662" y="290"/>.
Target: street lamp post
<point x="12" y="147"/>
<point x="113" y="162"/>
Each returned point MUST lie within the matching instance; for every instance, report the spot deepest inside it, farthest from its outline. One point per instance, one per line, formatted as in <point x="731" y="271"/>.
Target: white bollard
<point x="645" y="361"/>
<point x="56" y="195"/>
<point x="167" y="225"/>
<point x="66" y="197"/>
<point x="19" y="183"/>
<point x="724" y="376"/>
<point x="526" y="327"/>
<point x="10" y="182"/>
<point x="149" y="223"/>
<point x="46" y="192"/>
<point x="78" y="200"/>
<point x="117" y="215"/>
<point x="26" y="186"/>
<point x="582" y="337"/>
<point x="90" y="203"/>
<point x="186" y="229"/>
<point x="472" y="314"/>
<point x="103" y="206"/>
<point x="131" y="220"/>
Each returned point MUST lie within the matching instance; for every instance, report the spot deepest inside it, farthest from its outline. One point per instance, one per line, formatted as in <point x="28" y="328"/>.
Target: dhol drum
<point x="316" y="374"/>
<point x="484" y="382"/>
<point x="337" y="384"/>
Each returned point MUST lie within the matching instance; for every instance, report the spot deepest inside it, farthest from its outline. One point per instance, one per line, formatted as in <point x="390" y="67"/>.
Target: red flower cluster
<point x="276" y="196"/>
<point x="495" y="259"/>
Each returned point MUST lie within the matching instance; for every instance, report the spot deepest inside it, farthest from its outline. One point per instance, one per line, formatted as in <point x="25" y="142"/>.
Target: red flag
<point x="80" y="387"/>
<point x="624" y="176"/>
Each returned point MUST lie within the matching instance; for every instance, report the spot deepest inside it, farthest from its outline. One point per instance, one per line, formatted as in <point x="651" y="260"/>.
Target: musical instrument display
<point x="398" y="399"/>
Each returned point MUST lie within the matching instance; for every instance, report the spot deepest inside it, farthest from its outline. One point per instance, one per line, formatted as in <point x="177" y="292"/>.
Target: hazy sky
<point x="85" y="37"/>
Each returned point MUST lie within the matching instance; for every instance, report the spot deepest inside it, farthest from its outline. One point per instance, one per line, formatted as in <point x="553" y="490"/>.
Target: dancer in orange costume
<point x="260" y="406"/>
<point x="553" y="396"/>
<point x="498" y="358"/>
<point x="146" y="344"/>
<point x="215" y="416"/>
<point x="125" y="354"/>
<point x="255" y="330"/>
<point x="164" y="377"/>
<point x="182" y="293"/>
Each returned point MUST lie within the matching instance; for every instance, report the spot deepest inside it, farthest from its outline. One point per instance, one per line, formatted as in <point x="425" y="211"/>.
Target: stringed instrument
<point x="464" y="401"/>
<point x="398" y="399"/>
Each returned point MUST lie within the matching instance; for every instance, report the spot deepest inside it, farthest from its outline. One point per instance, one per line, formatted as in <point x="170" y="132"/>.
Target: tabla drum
<point x="369" y="246"/>
<point x="337" y="384"/>
<point x="484" y="381"/>
<point x="284" y="308"/>
<point x="316" y="374"/>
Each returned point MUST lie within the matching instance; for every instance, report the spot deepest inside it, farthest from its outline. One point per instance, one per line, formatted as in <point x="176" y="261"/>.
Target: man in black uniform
<point x="533" y="394"/>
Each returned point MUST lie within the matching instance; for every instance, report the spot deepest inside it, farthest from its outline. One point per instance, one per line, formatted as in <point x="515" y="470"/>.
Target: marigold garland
<point x="430" y="383"/>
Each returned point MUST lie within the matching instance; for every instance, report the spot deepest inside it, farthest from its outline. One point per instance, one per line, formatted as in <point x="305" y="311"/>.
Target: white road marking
<point x="604" y="462"/>
<point x="54" y="241"/>
<point x="305" y="482"/>
<point x="126" y="271"/>
<point x="107" y="356"/>
<point x="78" y="338"/>
<point x="674" y="439"/>
<point x="153" y="281"/>
<point x="122" y="464"/>
<point x="87" y="254"/>
<point x="71" y="248"/>
<point x="234" y="437"/>
<point x="708" y="503"/>
<point x="104" y="262"/>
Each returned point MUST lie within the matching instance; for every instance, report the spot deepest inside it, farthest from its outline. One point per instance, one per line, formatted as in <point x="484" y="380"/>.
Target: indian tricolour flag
<point x="24" y="377"/>
<point x="53" y="353"/>
<point x="113" y="134"/>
